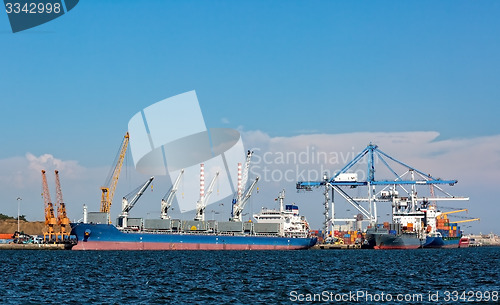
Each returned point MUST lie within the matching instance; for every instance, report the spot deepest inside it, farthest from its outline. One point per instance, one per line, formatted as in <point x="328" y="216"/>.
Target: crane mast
<point x="108" y="191"/>
<point x="128" y="203"/>
<point x="244" y="178"/>
<point x="62" y="218"/>
<point x="50" y="219"/>
<point x="240" y="200"/>
<point x="201" y="204"/>
<point x="238" y="206"/>
<point x="167" y="200"/>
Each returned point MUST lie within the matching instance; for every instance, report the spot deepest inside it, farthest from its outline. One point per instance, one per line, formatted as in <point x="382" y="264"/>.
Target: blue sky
<point x="285" y="68"/>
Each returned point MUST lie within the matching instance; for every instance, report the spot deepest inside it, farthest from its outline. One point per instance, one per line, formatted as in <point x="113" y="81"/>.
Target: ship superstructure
<point x="291" y="224"/>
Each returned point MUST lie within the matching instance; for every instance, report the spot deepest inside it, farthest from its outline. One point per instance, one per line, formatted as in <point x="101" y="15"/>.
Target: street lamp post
<point x="18" y="211"/>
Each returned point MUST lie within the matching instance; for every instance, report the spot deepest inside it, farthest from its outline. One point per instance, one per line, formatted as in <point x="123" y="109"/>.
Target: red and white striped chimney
<point x="202" y="181"/>
<point x="239" y="181"/>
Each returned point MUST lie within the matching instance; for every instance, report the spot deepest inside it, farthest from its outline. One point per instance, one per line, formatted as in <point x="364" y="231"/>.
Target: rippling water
<point x="245" y="277"/>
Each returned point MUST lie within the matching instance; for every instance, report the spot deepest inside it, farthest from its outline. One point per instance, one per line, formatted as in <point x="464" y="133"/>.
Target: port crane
<point x="241" y="199"/>
<point x="62" y="217"/>
<point x="202" y="202"/>
<point x="407" y="181"/>
<point x="166" y="201"/>
<point x="50" y="219"/>
<point x="129" y="200"/>
<point x="108" y="190"/>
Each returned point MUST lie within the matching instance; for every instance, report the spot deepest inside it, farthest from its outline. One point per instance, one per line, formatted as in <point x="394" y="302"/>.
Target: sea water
<point x="434" y="276"/>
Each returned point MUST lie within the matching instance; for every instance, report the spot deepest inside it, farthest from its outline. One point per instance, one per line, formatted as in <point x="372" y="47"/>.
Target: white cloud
<point x="224" y="121"/>
<point x="476" y="159"/>
<point x="48" y="163"/>
<point x="21" y="177"/>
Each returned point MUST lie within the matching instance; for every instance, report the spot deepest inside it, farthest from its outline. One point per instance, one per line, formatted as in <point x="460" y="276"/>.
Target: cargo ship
<point x="405" y="231"/>
<point x="280" y="229"/>
<point x="416" y="226"/>
<point x="440" y="232"/>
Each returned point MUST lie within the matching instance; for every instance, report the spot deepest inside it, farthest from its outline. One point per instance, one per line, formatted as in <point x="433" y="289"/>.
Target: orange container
<point x="6" y="235"/>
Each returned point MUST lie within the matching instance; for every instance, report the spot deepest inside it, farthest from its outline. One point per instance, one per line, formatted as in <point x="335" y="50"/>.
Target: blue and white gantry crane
<point x="407" y="181"/>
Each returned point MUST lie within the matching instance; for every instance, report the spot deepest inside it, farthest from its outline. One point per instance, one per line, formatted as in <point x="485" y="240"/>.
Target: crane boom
<point x="167" y="200"/>
<point x="451" y="212"/>
<point x="244" y="178"/>
<point x="108" y="191"/>
<point x="128" y="205"/>
<point x="238" y="206"/>
<point x="468" y="220"/>
<point x="201" y="204"/>
<point x="50" y="219"/>
<point x="62" y="218"/>
<point x="130" y="200"/>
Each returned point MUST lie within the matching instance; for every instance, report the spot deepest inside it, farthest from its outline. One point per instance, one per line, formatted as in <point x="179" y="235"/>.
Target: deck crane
<point x="240" y="200"/>
<point x="202" y="202"/>
<point x="108" y="191"/>
<point x="244" y="178"/>
<point x="467" y="220"/>
<point x="130" y="200"/>
<point x="238" y="206"/>
<point x="62" y="217"/>
<point x="166" y="201"/>
<point x="50" y="219"/>
<point x="442" y="215"/>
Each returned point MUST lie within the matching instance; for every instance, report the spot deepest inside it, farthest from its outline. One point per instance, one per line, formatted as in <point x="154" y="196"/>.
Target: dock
<point x="32" y="246"/>
<point x="336" y="247"/>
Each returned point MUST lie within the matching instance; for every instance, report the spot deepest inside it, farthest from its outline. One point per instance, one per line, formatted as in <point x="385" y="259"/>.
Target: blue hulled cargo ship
<point x="108" y="237"/>
<point x="281" y="229"/>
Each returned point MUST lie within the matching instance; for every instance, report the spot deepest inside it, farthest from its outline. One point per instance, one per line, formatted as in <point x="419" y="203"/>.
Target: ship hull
<point x="390" y="241"/>
<point x="108" y="237"/>
<point x="440" y="242"/>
